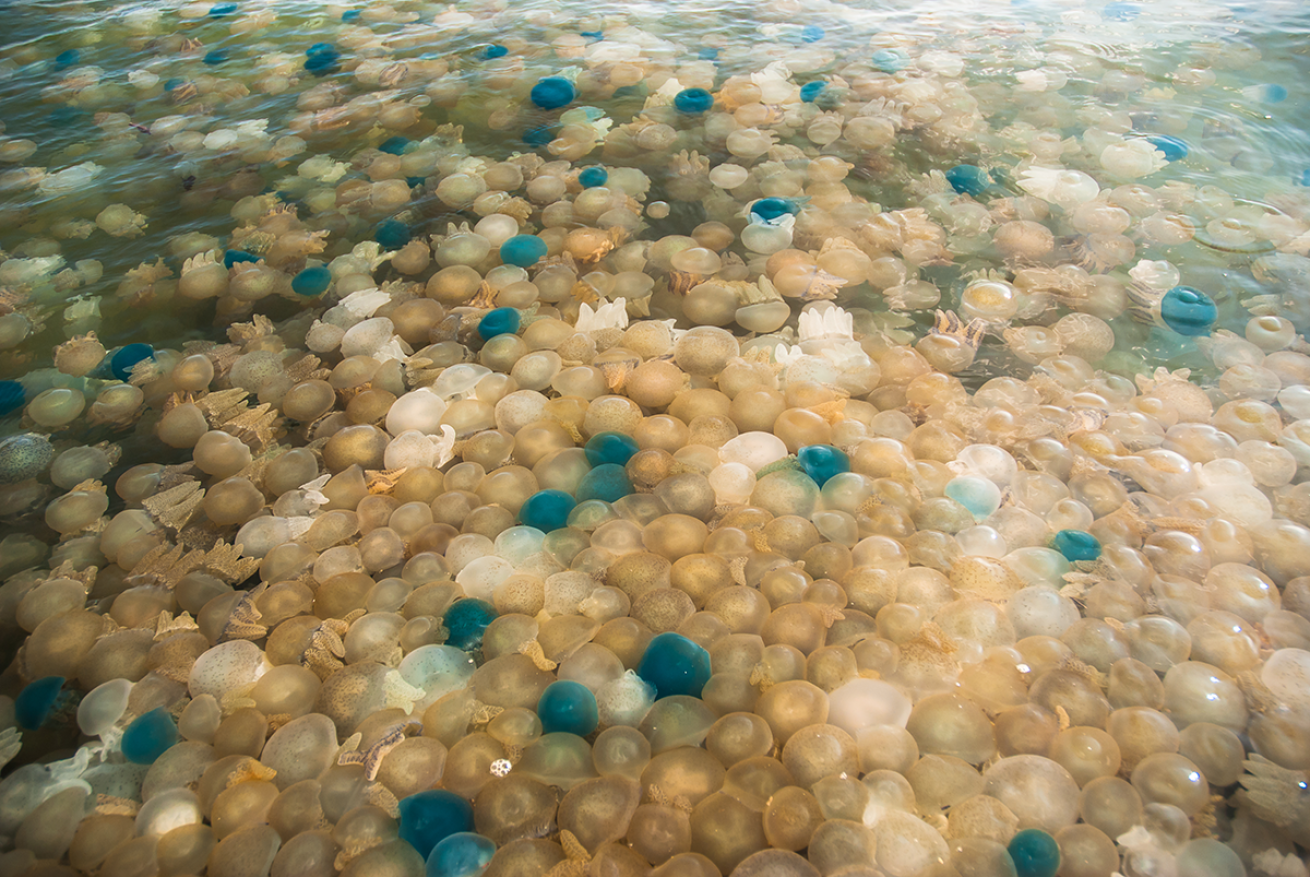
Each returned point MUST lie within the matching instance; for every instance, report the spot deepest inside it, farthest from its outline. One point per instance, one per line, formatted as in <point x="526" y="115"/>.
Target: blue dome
<point x="217" y="56"/>
<point x="392" y="234"/>
<point x="822" y="462"/>
<point x="218" y="10"/>
<point x="568" y="707"/>
<point x="770" y="209"/>
<point x="350" y="15"/>
<point x="12" y="397"/>
<point x="492" y="52"/>
<point x="591" y="177"/>
<point x="1035" y="853"/>
<point x="708" y="54"/>
<point x="463" y="854"/>
<point x="608" y="482"/>
<point x="890" y="60"/>
<point x="810" y="90"/>
<point x="312" y="281"/>
<point x="674" y="665"/>
<point x="811" y="33"/>
<point x="552" y="92"/>
<point x="1188" y="311"/>
<point x="499" y="321"/>
<point x="430" y="817"/>
<point x="610" y="447"/>
<point x="36" y="702"/>
<point x="67" y="59"/>
<point x="539" y="136"/>
<point x="1173" y="148"/>
<point x="547" y="510"/>
<point x="523" y="250"/>
<point x="149" y="736"/>
<point x="693" y="101"/>
<point x="466" y="619"/>
<point x="394" y="145"/>
<point x="968" y="179"/>
<point x="122" y="362"/>
<point x="232" y="257"/>
<point x="1076" y="545"/>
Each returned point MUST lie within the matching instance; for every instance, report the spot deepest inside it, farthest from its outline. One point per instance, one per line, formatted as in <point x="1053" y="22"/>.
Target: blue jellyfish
<point x="673" y="664"/>
<point x="610" y="447"/>
<point x="492" y="52"/>
<point x="569" y="707"/>
<point x="547" y="510"/>
<point x="392" y="234"/>
<point x="350" y="15"/>
<point x="1173" y="148"/>
<point x="126" y="358"/>
<point x="810" y="90"/>
<point x="968" y="179"/>
<point x="466" y="619"/>
<point x="430" y="817"/>
<point x="463" y="854"/>
<point x="591" y="177"/>
<point x="12" y="397"/>
<point x="523" y="250"/>
<point x="811" y="33"/>
<point x="1305" y="177"/>
<point x="890" y="60"/>
<point x="708" y="53"/>
<point x="67" y="59"/>
<point x="822" y="462"/>
<point x="539" y="136"/>
<point x="215" y="57"/>
<point x="693" y="101"/>
<point x="232" y="257"/>
<point x="499" y="321"/>
<point x="608" y="482"/>
<point x="1188" y="311"/>
<point x="1121" y="11"/>
<point x="321" y="59"/>
<point x="552" y="92"/>
<point x="769" y="209"/>
<point x="149" y="736"/>
<point x="312" y="281"/>
<point x="1035" y="853"/>
<point x="394" y="145"/>
<point x="219" y="10"/>
<point x="1076" y="545"/>
<point x="37" y="700"/>
<point x="592" y="36"/>
<point x="173" y="82"/>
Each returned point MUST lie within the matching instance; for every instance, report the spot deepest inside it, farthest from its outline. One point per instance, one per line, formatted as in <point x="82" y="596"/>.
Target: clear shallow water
<point x="198" y="125"/>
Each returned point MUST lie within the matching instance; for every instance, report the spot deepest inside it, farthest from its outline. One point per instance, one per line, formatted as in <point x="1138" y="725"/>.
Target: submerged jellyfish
<point x="37" y="700"/>
<point x="547" y="510"/>
<point x="12" y="397"/>
<point x="215" y="57"/>
<point x="1188" y="311"/>
<point x="233" y="257"/>
<point x="321" y="59"/>
<point x="673" y="664"/>
<point x="769" y="209"/>
<point x="1076" y="545"/>
<point x="394" y="145"/>
<point x="149" y="736"/>
<point x="811" y="90"/>
<point x="811" y="33"/>
<point x="126" y="358"/>
<point x="67" y="59"/>
<point x="430" y="817"/>
<point x="1035" y="853"/>
<point x="891" y="60"/>
<point x="591" y="177"/>
<point x="463" y="854"/>
<point x="552" y="92"/>
<point x="498" y="321"/>
<point x="218" y="10"/>
<point x="523" y="250"/>
<point x="312" y="281"/>
<point x="610" y="447"/>
<point x="1173" y="148"/>
<point x="822" y="462"/>
<point x="693" y="101"/>
<point x="492" y="52"/>
<point x="608" y="483"/>
<point x="392" y="234"/>
<point x="968" y="179"/>
<point x="568" y="707"/>
<point x="466" y="619"/>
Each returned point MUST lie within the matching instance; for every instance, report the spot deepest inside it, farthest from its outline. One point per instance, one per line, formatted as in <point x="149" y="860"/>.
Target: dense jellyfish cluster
<point x="784" y="441"/>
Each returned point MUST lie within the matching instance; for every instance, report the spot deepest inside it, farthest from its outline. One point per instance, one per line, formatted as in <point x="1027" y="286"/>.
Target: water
<point x="1017" y="190"/>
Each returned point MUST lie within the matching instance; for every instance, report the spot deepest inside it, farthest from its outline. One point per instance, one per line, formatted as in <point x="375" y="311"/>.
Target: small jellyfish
<point x="673" y="664"/>
<point x="811" y="90"/>
<point x="463" y="854"/>
<point x="492" y="52"/>
<point x="392" y="234"/>
<point x="591" y="177"/>
<point x="523" y="250"/>
<point x="693" y="101"/>
<point x="312" y="281"/>
<point x="608" y="482"/>
<point x="430" y="817"/>
<point x="811" y="33"/>
<point x="822" y="462"/>
<point x="127" y="357"/>
<point x="394" y="145"/>
<point x="968" y="179"/>
<point x="233" y="257"/>
<point x="552" y="92"/>
<point x="219" y="10"/>
<point x="1188" y="311"/>
<point x="214" y="57"/>
<point x="37" y="701"/>
<point x="1035" y="853"/>
<point x="568" y="707"/>
<point x="322" y="59"/>
<point x="466" y="620"/>
<point x="1076" y="545"/>
<point x="891" y="60"/>
<point x="66" y="59"/>
<point x="610" y="447"/>
<point x="547" y="510"/>
<point x="149" y="736"/>
<point x="499" y="321"/>
<point x="12" y="397"/>
<point x="1173" y="148"/>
